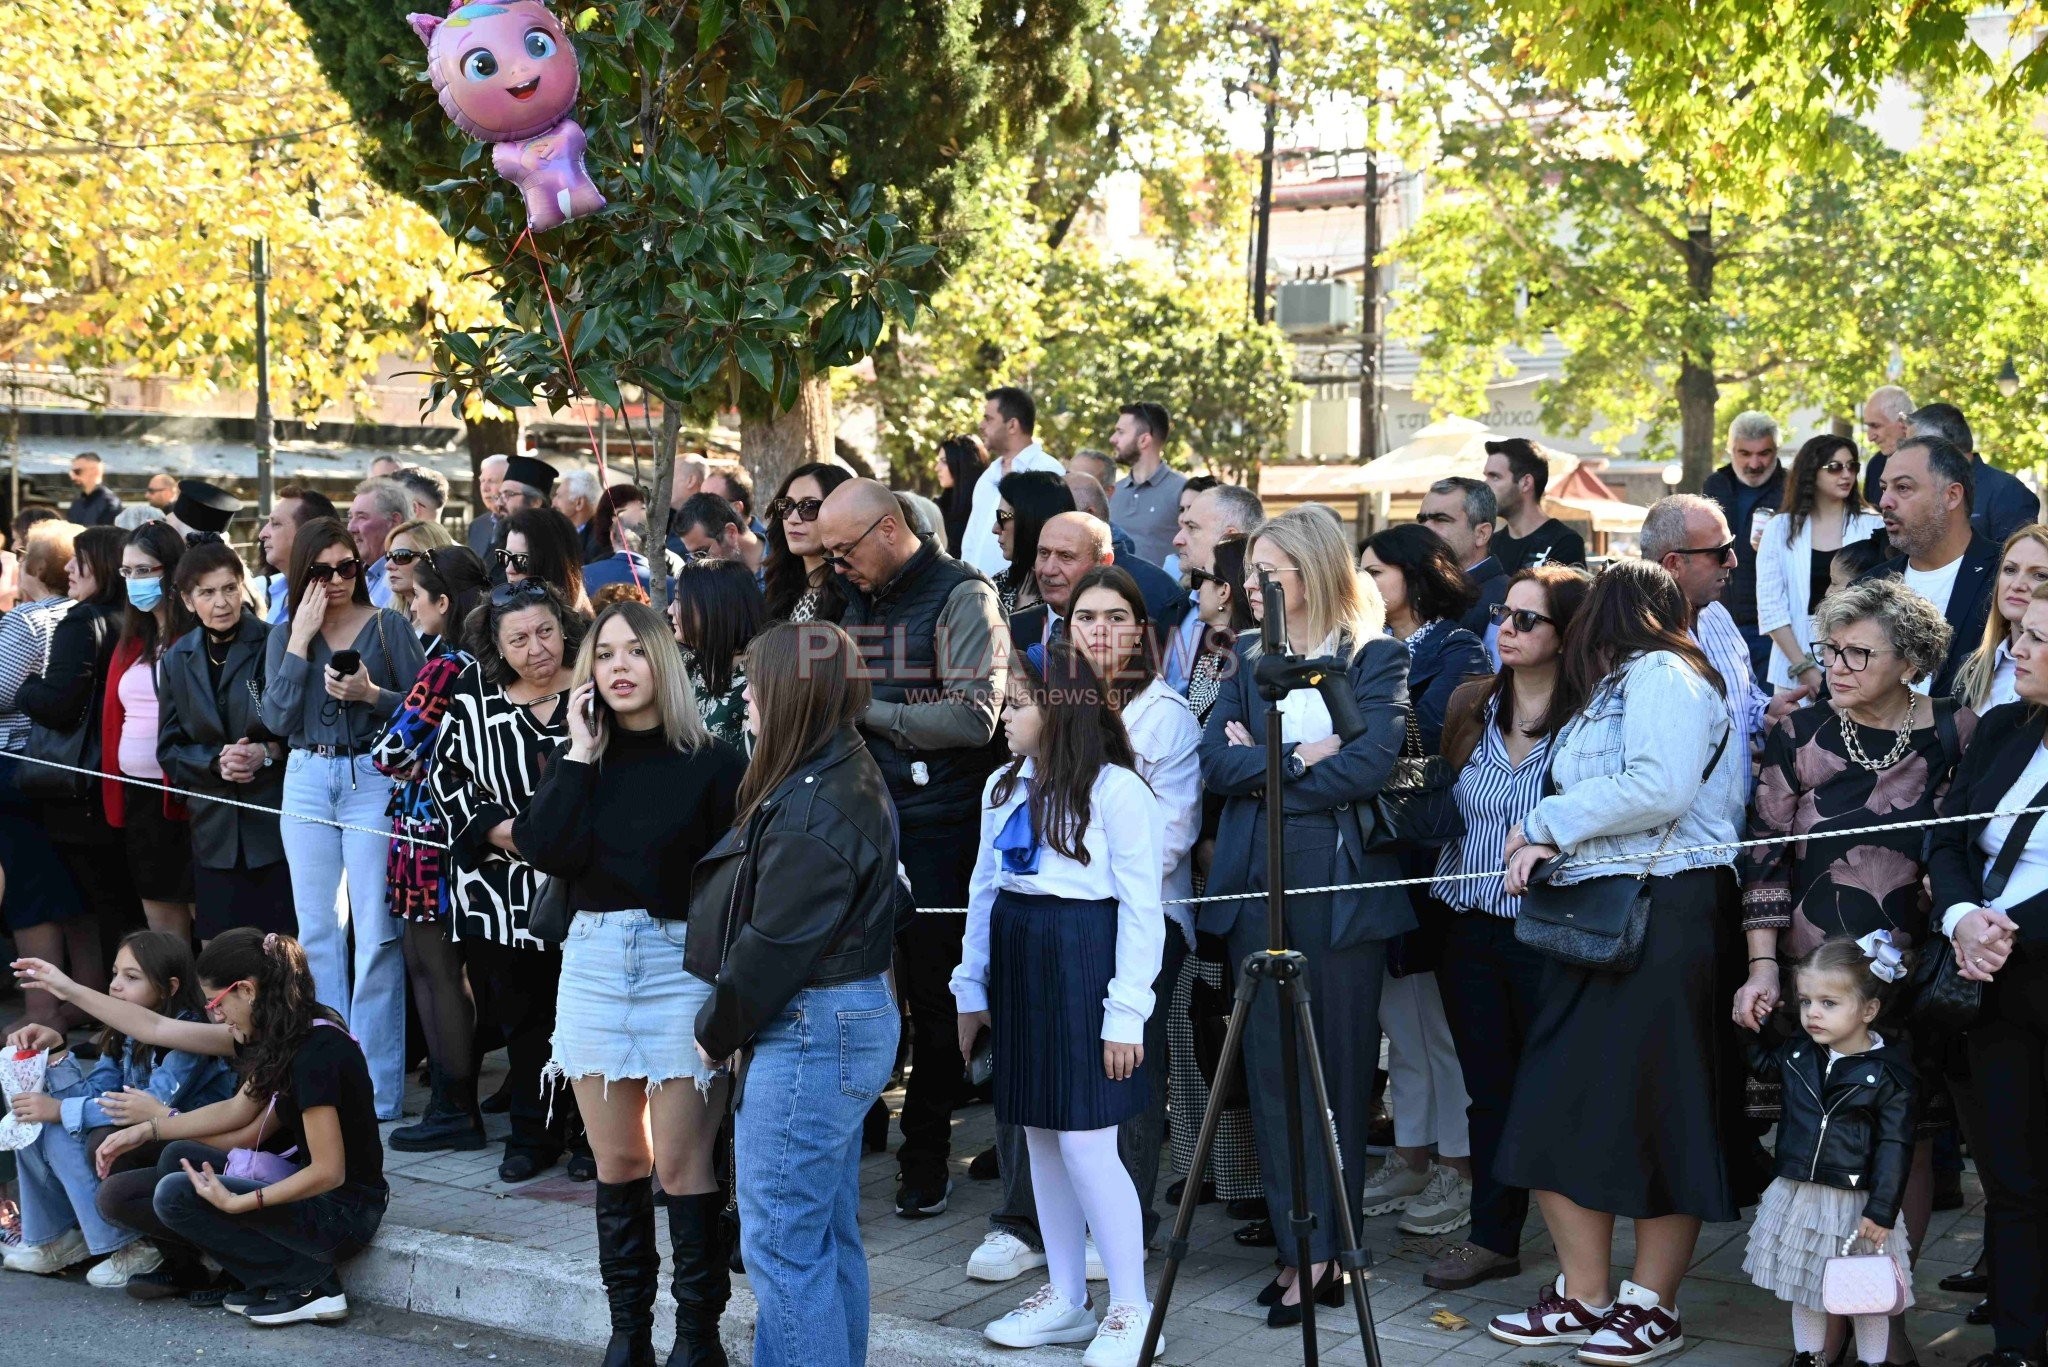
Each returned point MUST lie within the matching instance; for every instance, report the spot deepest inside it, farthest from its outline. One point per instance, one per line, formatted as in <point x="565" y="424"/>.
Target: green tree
<point x="724" y="270"/>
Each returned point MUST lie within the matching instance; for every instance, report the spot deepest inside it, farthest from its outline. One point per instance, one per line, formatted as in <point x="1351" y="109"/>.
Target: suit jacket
<point x="2005" y="741"/>
<point x="1342" y="785"/>
<point x="1166" y="603"/>
<point x="1969" y="602"/>
<point x="194" y="721"/>
<point x="483" y="534"/>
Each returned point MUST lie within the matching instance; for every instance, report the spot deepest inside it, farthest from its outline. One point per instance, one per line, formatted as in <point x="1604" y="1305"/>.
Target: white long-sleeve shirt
<point x="978" y="544"/>
<point x="1123" y="840"/>
<point x="1164" y="735"/>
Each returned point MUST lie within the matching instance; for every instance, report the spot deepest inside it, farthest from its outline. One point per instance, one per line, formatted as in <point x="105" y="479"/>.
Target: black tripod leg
<point x="1349" y="1256"/>
<point x="1301" y="1220"/>
<point x="1205" y="1141"/>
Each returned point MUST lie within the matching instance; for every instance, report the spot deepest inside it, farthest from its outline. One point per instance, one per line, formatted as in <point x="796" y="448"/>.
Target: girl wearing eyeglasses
<point x="1497" y="733"/>
<point x="316" y="1192"/>
<point x="330" y="717"/>
<point x="800" y="587"/>
<point x="1823" y="513"/>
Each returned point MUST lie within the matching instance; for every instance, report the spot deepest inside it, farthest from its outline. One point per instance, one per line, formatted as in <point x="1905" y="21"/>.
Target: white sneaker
<point x="1443" y="1205"/>
<point x="1122" y="1335"/>
<point x="1003" y="1257"/>
<point x="1045" y="1318"/>
<point x="127" y="1261"/>
<point x="1095" y="1272"/>
<point x="48" y="1259"/>
<point x="1393" y="1184"/>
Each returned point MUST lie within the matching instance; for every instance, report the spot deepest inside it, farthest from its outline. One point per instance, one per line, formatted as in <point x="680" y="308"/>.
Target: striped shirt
<point x="1493" y="794"/>
<point x="1715" y="632"/>
<point x="24" y="653"/>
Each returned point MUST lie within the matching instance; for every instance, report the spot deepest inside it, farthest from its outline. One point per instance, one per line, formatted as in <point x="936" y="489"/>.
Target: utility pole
<point x="259" y="274"/>
<point x="1369" y="317"/>
<point x="1265" y="239"/>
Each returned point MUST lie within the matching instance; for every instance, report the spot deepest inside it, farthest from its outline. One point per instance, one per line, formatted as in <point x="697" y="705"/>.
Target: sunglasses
<point x="798" y="509"/>
<point x="524" y="593"/>
<point x="1197" y="578"/>
<point x="513" y="560"/>
<point x="320" y="571"/>
<point x="1004" y="517"/>
<point x="1724" y="551"/>
<point x="404" y="556"/>
<point x="837" y="560"/>
<point x="1842" y="467"/>
<point x="1525" y="619"/>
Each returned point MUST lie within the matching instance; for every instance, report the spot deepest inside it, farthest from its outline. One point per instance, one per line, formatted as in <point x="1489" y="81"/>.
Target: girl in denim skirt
<point x="1065" y="935"/>
<point x="623" y="816"/>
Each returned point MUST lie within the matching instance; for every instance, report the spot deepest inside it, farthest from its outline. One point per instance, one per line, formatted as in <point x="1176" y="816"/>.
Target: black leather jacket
<point x="806" y="894"/>
<point x="1849" y="1125"/>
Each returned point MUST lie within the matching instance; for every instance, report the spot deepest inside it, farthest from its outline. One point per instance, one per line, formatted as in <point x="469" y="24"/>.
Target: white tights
<point x="1079" y="1184"/>
<point x="1810" y="1333"/>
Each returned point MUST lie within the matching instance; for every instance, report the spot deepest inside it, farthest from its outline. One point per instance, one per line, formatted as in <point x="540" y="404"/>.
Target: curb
<point x="537" y="1294"/>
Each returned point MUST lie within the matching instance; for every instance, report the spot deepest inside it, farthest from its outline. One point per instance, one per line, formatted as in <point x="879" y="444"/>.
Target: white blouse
<point x="1124" y="836"/>
<point x="1164" y="735"/>
<point x="1304" y="716"/>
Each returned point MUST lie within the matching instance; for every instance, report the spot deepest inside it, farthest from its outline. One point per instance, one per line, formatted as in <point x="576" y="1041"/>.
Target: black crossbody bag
<point x="1598" y="923"/>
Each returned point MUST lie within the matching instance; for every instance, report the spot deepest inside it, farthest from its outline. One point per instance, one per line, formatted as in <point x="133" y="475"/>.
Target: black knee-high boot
<point x="702" y="1284"/>
<point x="630" y="1262"/>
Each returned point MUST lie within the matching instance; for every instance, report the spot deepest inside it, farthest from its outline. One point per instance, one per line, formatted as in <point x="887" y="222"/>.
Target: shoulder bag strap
<point x="2000" y="872"/>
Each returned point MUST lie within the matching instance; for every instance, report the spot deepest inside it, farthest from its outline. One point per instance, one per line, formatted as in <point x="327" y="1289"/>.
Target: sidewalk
<point x="459" y="1243"/>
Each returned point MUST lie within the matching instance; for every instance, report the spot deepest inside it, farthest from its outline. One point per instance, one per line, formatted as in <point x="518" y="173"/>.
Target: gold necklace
<point x="1854" y="747"/>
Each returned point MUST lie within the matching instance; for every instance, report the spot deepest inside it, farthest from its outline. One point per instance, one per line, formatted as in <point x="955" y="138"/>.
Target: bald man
<point x="931" y="633"/>
<point x="1070" y="545"/>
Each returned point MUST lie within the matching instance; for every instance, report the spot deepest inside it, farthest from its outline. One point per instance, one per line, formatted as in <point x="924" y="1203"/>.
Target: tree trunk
<point x="773" y="444"/>
<point x="487" y="437"/>
<point x="1699" y="392"/>
<point x="657" y="508"/>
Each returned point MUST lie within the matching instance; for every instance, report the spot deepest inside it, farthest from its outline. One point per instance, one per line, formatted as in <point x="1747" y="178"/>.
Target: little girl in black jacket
<point x="1844" y="1142"/>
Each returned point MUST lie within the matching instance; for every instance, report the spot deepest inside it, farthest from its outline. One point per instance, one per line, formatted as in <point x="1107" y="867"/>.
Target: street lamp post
<point x="259" y="275"/>
<point x="1265" y="228"/>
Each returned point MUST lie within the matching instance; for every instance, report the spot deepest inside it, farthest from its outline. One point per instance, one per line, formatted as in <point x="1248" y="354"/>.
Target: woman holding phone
<point x="334" y="673"/>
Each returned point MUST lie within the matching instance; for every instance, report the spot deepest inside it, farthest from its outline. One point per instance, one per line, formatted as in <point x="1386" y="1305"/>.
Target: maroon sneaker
<point x="1555" y="1318"/>
<point x="1638" y="1329"/>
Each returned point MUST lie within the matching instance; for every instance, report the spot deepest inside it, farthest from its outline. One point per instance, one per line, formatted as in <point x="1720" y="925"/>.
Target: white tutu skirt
<point x="1798" y="1227"/>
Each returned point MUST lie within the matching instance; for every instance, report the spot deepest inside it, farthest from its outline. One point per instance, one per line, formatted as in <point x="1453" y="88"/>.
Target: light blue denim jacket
<point x="1629" y="763"/>
<point x="182" y="1081"/>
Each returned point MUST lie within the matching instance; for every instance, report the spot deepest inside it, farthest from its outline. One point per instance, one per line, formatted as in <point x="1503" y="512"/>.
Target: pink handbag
<point x="259" y="1165"/>
<point x="1862" y="1284"/>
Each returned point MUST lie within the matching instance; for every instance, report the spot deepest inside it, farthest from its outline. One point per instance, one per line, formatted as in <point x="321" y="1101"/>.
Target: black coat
<point x="1969" y="602"/>
<point x="1847" y="1126"/>
<point x="2006" y="739"/>
<point x="806" y="894"/>
<point x="1445" y="659"/>
<point x="66" y="696"/>
<point x="195" y="720"/>
<point x="1493" y="588"/>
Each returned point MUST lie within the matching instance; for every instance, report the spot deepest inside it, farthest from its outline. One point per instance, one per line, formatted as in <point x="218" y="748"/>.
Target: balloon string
<point x="596" y="447"/>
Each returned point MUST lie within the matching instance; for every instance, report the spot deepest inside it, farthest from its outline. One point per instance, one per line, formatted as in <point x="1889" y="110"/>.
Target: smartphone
<point x="346" y="662"/>
<point x="591" y="708"/>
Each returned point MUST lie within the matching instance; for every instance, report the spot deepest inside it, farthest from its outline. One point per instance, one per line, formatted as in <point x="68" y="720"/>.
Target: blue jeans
<point x="816" y="1070"/>
<point x="321" y="857"/>
<point x="58" y="1185"/>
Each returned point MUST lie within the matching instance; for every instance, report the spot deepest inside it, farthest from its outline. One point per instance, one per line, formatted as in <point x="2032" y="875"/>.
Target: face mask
<point x="145" y="594"/>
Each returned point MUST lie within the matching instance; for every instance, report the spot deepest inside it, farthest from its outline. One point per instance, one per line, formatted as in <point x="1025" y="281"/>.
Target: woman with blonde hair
<point x="1986" y="679"/>
<point x="1330" y="611"/>
<point x="622" y="817"/>
<point x="407" y="543"/>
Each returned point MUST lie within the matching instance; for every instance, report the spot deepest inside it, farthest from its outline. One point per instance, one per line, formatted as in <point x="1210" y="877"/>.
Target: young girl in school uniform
<point x="1064" y="938"/>
<point x="1845" y="1140"/>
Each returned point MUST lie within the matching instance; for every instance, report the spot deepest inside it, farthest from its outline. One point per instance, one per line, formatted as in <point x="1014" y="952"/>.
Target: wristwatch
<point x="1296" y="766"/>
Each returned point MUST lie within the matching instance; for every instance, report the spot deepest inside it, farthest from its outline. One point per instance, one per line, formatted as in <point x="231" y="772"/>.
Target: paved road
<point x="62" y="1322"/>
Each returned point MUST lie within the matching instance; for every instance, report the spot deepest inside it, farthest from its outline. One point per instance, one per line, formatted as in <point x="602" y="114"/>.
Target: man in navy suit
<point x="2000" y="504"/>
<point x="1929" y="486"/>
<point x="1070" y="545"/>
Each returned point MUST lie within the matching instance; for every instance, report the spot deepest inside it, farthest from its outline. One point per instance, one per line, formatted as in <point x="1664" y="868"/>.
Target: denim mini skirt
<point x="627" y="1007"/>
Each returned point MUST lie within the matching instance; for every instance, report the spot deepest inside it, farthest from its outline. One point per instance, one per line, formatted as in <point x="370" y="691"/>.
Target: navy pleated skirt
<point x="1050" y="960"/>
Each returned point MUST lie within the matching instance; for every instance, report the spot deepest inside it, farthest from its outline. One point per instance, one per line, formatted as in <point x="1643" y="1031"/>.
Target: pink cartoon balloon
<point x="507" y="75"/>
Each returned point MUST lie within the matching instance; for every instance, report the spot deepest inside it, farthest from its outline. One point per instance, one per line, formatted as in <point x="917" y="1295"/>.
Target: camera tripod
<point x="1277" y="674"/>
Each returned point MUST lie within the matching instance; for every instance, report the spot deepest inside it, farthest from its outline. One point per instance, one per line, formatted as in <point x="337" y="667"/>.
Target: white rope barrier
<point x="1375" y="885"/>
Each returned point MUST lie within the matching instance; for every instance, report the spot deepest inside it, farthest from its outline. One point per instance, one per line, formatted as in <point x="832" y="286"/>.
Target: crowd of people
<point x="903" y="788"/>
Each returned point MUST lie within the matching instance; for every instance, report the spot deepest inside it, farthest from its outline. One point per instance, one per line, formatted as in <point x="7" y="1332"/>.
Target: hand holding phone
<point x="346" y="662"/>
